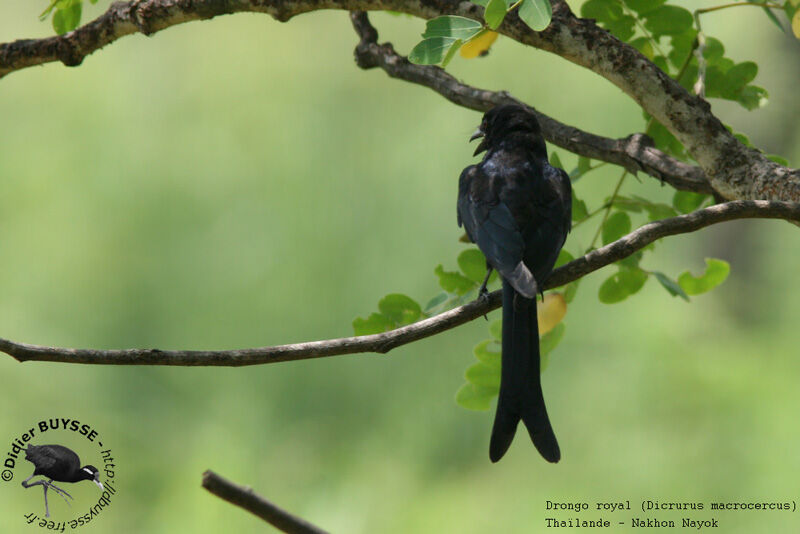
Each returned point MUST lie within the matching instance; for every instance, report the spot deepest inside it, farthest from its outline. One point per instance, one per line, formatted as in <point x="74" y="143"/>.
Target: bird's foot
<point x="60" y="492"/>
<point x="483" y="297"/>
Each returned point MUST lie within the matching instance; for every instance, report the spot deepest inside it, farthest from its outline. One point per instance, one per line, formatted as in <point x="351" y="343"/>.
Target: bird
<point x="517" y="208"/>
<point x="56" y="462"/>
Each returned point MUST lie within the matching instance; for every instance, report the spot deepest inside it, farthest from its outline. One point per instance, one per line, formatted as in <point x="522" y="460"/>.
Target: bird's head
<point x="90" y="472"/>
<point x="503" y="121"/>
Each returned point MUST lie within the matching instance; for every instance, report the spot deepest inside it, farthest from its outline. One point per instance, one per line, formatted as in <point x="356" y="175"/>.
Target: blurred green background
<point x="240" y="182"/>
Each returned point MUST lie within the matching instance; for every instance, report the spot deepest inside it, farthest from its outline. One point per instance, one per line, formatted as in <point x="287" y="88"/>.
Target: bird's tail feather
<point x="520" y="383"/>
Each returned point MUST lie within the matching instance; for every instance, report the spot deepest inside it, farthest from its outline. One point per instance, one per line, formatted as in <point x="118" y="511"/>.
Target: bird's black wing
<point x="48" y="456"/>
<point x="547" y="231"/>
<point x="560" y="182"/>
<point x="491" y="225"/>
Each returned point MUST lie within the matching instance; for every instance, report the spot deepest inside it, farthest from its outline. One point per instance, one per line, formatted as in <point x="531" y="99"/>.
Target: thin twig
<point x="737" y="4"/>
<point x="246" y="498"/>
<point x="608" y="208"/>
<point x="386" y="341"/>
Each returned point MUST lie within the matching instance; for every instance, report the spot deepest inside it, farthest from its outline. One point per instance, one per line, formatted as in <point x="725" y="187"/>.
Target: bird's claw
<point x="483" y="297"/>
<point x="60" y="492"/>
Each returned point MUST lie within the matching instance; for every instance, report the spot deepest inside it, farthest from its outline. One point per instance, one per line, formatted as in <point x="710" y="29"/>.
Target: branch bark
<point x="635" y="153"/>
<point x="733" y="170"/>
<point x="384" y="342"/>
<point x="246" y="498"/>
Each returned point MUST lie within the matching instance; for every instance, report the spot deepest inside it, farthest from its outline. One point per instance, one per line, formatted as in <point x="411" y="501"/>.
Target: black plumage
<point x="56" y="462"/>
<point x="517" y="208"/>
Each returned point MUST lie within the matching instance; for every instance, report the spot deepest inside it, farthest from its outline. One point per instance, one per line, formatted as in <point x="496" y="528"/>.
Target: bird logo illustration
<point x="60" y="464"/>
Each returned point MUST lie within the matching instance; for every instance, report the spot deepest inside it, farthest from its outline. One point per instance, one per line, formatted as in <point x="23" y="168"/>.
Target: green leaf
<point x="632" y="279"/>
<point x="484" y="354"/>
<point x="452" y="27"/>
<point x="612" y="290"/>
<point x="431" y="51"/>
<point x="661" y="63"/>
<point x="563" y="258"/>
<point x="374" y="324"/>
<point x="773" y="18"/>
<point x="476" y="398"/>
<point x="452" y="52"/>
<point x="483" y="375"/>
<point x="616" y="226"/>
<point x="753" y="97"/>
<point x="602" y="11"/>
<point x="627" y="204"/>
<point x="496" y="329"/>
<point x="495" y="13"/>
<point x="609" y="14"/>
<point x="555" y="161"/>
<point x="623" y="28"/>
<point x="67" y="18"/>
<point x="551" y="339"/>
<point x="665" y="141"/>
<point x="399" y="308"/>
<point x="453" y="282"/>
<point x="687" y="201"/>
<point x="644" y="6"/>
<point x="742" y="138"/>
<point x="656" y="210"/>
<point x="570" y="290"/>
<point x="682" y="46"/>
<point x="579" y="209"/>
<point x="714" y="50"/>
<point x="716" y="273"/>
<point x="436" y="301"/>
<point x="48" y="9"/>
<point x="645" y="46"/>
<point x="668" y="20"/>
<point x="536" y="14"/>
<point x="671" y="285"/>
<point x="778" y="159"/>
<point x="741" y="74"/>
<point x="584" y="164"/>
<point x="473" y="264"/>
<point x="632" y="261"/>
<point x="548" y="342"/>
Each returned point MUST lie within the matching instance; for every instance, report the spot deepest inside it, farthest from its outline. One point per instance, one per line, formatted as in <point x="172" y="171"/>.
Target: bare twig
<point x="246" y="498"/>
<point x="384" y="342"/>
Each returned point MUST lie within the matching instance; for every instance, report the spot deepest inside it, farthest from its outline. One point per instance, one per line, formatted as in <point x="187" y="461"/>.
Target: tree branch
<point x="246" y="498"/>
<point x="386" y="341"/>
<point x="634" y="153"/>
<point x="734" y="171"/>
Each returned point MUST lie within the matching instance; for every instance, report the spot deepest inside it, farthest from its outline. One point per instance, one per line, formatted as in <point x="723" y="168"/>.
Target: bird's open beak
<point x="99" y="485"/>
<point x="482" y="145"/>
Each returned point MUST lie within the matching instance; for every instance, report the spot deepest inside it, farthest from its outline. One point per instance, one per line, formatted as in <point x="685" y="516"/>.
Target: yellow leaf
<point x="479" y="46"/>
<point x="795" y="24"/>
<point x="551" y="312"/>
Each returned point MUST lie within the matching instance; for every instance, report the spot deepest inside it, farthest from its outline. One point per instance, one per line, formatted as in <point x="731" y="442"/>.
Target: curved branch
<point x="634" y="153"/>
<point x="386" y="341"/>
<point x="254" y="503"/>
<point x="734" y="171"/>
